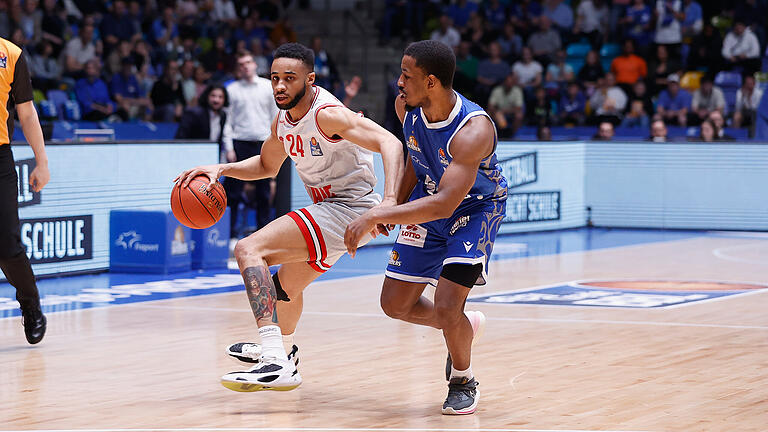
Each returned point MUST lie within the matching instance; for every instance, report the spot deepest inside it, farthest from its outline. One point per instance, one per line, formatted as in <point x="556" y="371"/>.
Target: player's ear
<point x="431" y="81"/>
<point x="311" y="78"/>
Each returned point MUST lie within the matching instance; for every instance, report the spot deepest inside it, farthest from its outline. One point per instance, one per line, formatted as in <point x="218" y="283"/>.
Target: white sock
<point x="288" y="342"/>
<point x="272" y="342"/>
<point x="462" y="373"/>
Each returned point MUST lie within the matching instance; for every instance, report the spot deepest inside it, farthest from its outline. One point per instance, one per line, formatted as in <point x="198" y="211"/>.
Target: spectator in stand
<point x="628" y="67"/>
<point x="219" y="61"/>
<point x="54" y="25"/>
<point x="705" y="53"/>
<point x="495" y="14"/>
<point x="45" y="68"/>
<point x="572" y="105"/>
<point x="207" y="120"/>
<point x="146" y="73"/>
<point x="92" y="93"/>
<point x="188" y="85"/>
<point x="747" y="100"/>
<point x="637" y="116"/>
<point x="639" y="92"/>
<point x="466" y="69"/>
<point x="131" y="101"/>
<point x="460" y="12"/>
<point x="605" y="132"/>
<point x="476" y="33"/>
<point x="117" y="55"/>
<point x="559" y="73"/>
<point x="528" y="72"/>
<point x="81" y="50"/>
<point x="446" y="34"/>
<point x="638" y="25"/>
<point x="693" y="22"/>
<point x="592" y="21"/>
<point x="224" y="12"/>
<point x="490" y="73"/>
<point x="662" y="67"/>
<point x="524" y="15"/>
<point x="326" y="73"/>
<point x="511" y="44"/>
<point x="544" y="133"/>
<point x="545" y="43"/>
<point x="669" y="16"/>
<point x="708" y="131"/>
<point x="166" y="94"/>
<point x="164" y="28"/>
<point x="30" y="21"/>
<point x="561" y="16"/>
<point x="658" y="131"/>
<point x="674" y="102"/>
<point x="505" y="106"/>
<point x="706" y="98"/>
<point x="283" y="32"/>
<point x="262" y="62"/>
<point x="541" y="110"/>
<point x="741" y="49"/>
<point x="591" y="72"/>
<point x="717" y="118"/>
<point x="608" y="101"/>
<point x="116" y="26"/>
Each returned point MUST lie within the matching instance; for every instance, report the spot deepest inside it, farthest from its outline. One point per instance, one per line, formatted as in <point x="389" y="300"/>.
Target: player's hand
<point x="213" y="172"/>
<point x="384" y="228"/>
<point x="39" y="178"/>
<point x="356" y="231"/>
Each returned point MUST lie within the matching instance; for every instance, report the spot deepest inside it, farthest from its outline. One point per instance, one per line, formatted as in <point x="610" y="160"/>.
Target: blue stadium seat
<point x="58" y="98"/>
<point x="727" y="79"/>
<point x="610" y="50"/>
<point x="576" y="64"/>
<point x="48" y="110"/>
<point x="577" y="50"/>
<point x="71" y="110"/>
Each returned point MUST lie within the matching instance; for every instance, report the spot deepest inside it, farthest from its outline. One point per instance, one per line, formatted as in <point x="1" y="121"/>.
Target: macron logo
<point x="468" y="246"/>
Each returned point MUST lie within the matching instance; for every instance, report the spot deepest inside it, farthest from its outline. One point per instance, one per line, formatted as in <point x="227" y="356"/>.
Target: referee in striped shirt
<point x="16" y="89"/>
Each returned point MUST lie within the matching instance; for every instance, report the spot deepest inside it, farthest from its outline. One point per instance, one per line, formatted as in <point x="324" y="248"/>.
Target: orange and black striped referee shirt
<point x="15" y="86"/>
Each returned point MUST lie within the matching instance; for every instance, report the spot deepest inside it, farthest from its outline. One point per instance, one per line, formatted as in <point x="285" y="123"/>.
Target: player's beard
<point x="293" y="102"/>
<point x="409" y="108"/>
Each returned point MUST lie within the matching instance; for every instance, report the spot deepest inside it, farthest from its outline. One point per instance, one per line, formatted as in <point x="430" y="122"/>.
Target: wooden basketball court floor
<point x="154" y="365"/>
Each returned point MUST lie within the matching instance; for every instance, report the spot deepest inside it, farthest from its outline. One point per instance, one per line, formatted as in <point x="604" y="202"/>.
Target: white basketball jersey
<point x="330" y="167"/>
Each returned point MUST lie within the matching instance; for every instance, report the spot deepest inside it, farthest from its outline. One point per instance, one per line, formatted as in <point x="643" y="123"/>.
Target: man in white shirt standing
<point x="251" y="110"/>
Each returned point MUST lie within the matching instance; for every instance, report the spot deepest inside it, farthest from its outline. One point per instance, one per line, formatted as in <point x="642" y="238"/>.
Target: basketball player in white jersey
<point x="331" y="147"/>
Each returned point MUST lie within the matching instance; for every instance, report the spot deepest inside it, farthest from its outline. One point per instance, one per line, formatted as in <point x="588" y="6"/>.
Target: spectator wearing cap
<point x="674" y="102"/>
<point x="706" y="98"/>
<point x="741" y="49"/>
<point x="747" y="100"/>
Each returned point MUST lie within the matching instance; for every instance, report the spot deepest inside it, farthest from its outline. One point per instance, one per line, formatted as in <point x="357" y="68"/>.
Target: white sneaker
<point x="477" y="320"/>
<point x="267" y="374"/>
<point x="248" y="352"/>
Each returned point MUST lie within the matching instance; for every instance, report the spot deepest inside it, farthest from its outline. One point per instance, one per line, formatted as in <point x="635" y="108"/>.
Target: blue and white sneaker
<point x="268" y="374"/>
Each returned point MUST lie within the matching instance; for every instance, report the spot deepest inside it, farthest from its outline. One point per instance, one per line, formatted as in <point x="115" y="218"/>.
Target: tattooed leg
<point x="261" y="294"/>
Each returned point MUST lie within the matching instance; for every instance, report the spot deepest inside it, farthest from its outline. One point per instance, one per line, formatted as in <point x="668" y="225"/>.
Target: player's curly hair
<point x="435" y="58"/>
<point x="296" y="51"/>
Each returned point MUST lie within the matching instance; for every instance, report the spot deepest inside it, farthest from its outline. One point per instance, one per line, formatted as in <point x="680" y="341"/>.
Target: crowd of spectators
<point x="587" y="62"/>
<point x="124" y="60"/>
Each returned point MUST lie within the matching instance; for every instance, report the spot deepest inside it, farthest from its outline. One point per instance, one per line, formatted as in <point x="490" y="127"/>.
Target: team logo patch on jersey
<point x="394" y="259"/>
<point x="441" y="155"/>
<point x="413" y="144"/>
<point x="315" y="147"/>
<point x="3" y="60"/>
<point x="412" y="235"/>
<point x="460" y="223"/>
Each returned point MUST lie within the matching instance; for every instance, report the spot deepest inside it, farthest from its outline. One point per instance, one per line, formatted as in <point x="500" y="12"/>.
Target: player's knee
<point x="394" y="308"/>
<point x="248" y="249"/>
<point x="448" y="313"/>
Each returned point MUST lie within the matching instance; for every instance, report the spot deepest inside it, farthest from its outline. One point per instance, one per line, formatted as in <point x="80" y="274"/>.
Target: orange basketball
<point x="196" y="207"/>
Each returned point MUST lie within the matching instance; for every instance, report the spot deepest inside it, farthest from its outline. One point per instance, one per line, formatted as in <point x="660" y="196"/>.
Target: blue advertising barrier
<point x="210" y="246"/>
<point x="148" y="241"/>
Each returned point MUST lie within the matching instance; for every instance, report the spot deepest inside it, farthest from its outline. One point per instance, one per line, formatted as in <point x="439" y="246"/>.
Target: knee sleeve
<point x="462" y="274"/>
<point x="281" y="294"/>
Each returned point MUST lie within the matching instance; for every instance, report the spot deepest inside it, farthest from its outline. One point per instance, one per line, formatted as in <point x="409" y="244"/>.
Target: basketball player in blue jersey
<point x="449" y="223"/>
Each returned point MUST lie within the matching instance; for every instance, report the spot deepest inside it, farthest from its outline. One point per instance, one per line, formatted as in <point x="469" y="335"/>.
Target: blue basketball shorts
<point x="465" y="238"/>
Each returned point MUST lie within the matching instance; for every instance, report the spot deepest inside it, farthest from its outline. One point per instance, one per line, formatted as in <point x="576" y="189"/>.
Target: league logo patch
<point x="441" y="155"/>
<point x="412" y="235"/>
<point x="394" y="259"/>
<point x="413" y="144"/>
<point x="315" y="147"/>
<point x="3" y="60"/>
<point x="631" y="294"/>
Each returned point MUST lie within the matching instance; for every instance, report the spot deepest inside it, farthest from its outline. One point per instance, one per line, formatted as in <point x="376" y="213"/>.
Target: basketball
<point x="196" y="207"/>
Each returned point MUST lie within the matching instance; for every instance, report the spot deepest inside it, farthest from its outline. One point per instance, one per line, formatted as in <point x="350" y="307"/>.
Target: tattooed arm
<point x="261" y="294"/>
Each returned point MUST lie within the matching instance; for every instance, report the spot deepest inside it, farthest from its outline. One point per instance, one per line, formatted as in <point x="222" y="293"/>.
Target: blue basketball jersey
<point x="429" y="147"/>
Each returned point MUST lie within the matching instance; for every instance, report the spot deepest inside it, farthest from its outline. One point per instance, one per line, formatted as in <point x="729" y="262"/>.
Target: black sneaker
<point x="462" y="397"/>
<point x="248" y="352"/>
<point x="34" y="324"/>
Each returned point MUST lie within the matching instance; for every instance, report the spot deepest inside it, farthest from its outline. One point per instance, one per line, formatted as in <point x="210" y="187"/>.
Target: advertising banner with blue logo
<point x="148" y="241"/>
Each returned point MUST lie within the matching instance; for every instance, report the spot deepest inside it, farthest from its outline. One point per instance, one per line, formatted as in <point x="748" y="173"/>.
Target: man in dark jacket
<point x="207" y="120"/>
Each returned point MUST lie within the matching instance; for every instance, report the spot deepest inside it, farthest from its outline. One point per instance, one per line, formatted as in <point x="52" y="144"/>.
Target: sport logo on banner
<point x="27" y="196"/>
<point x="632" y="294"/>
